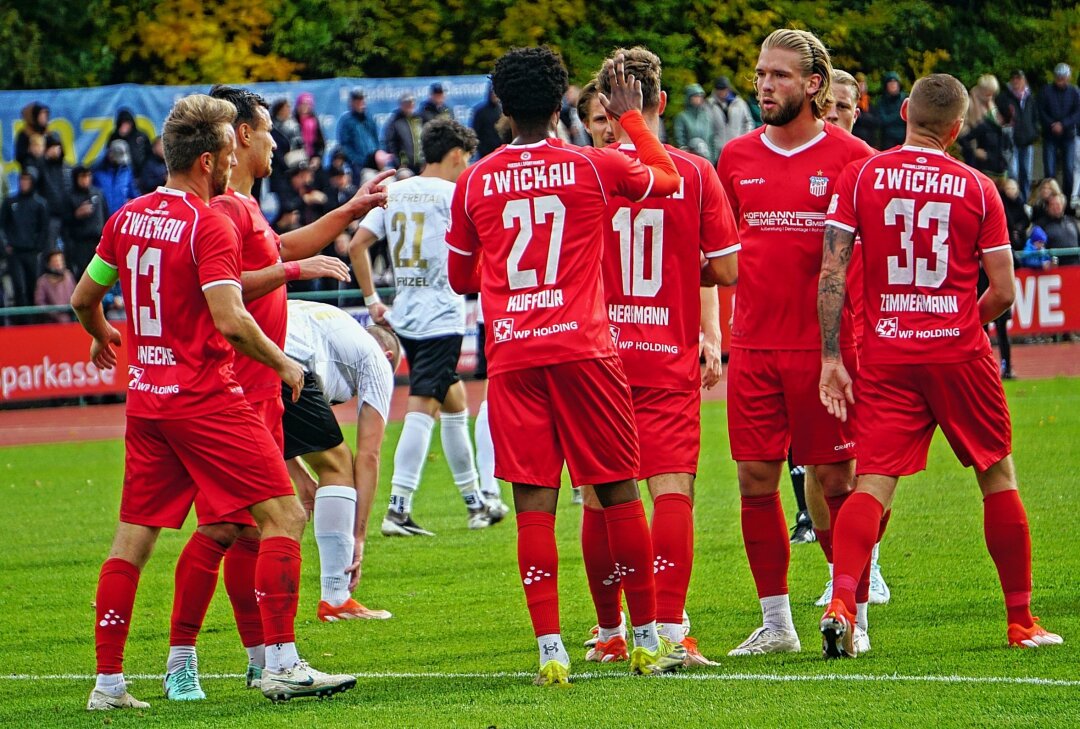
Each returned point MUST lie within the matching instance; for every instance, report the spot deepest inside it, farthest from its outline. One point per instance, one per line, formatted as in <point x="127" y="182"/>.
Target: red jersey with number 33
<point x="537" y="213"/>
<point x="925" y="219"/>
<point x="779" y="197"/>
<point x="168" y="247"/>
<point x="260" y="247"/>
<point x="652" y="272"/>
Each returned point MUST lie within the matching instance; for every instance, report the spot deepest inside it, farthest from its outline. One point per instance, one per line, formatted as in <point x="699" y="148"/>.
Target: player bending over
<point x="341" y="361"/>
<point x="925" y="220"/>
<point x="652" y="273"/>
<point x="429" y="318"/>
<point x="189" y="428"/>
<point x="529" y="216"/>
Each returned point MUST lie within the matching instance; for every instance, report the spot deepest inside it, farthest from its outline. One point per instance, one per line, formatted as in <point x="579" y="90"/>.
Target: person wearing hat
<point x="1017" y="106"/>
<point x="310" y="129"/>
<point x="1059" y="112"/>
<point x="435" y="106"/>
<point x="694" y="130"/>
<point x="85" y="219"/>
<point x="887" y="111"/>
<point x="115" y="176"/>
<point x="138" y="142"/>
<point x="401" y="136"/>
<point x="1035" y="253"/>
<point x="730" y="114"/>
<point x="357" y="135"/>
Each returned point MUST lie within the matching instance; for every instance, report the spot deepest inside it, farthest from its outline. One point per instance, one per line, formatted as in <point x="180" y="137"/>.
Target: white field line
<point x="766" y="677"/>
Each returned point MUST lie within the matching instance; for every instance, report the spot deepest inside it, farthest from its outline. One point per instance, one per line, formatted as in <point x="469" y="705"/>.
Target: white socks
<point x="178" y="656"/>
<point x="256" y="655"/>
<point x="606" y="634"/>
<point x="409" y="459"/>
<point x="457" y="446"/>
<point x="552" y="649"/>
<point x="674" y="632"/>
<point x="112" y="684"/>
<point x="485" y="455"/>
<point x="776" y="613"/>
<point x="646" y="636"/>
<point x="860" y="615"/>
<point x="335" y="517"/>
<point x="280" y="657"/>
<point x="874" y="554"/>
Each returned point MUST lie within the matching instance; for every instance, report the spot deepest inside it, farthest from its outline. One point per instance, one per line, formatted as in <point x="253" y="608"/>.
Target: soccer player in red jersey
<point x="778" y="179"/>
<point x="534" y="211"/>
<point x="189" y="428"/>
<point x="267" y="263"/>
<point x="652" y="277"/>
<point x="926" y="220"/>
<point x="842" y="112"/>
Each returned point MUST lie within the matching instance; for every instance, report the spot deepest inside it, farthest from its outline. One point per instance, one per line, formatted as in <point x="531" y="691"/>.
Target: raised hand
<point x="625" y="90"/>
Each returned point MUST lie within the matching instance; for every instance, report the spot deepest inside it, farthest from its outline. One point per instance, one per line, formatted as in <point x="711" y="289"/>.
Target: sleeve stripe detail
<point x="841" y="226"/>
<point x="725" y="252"/>
<point x="652" y="180"/>
<point x="458" y="250"/>
<point x="222" y="282"/>
<point x="1002" y="247"/>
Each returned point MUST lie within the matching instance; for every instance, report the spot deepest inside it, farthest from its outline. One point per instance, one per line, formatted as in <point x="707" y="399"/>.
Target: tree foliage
<point x="83" y="42"/>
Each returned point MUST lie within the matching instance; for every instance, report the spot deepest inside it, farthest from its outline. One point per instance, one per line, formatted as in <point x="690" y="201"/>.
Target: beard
<point x="219" y="182"/>
<point x="785" y="112"/>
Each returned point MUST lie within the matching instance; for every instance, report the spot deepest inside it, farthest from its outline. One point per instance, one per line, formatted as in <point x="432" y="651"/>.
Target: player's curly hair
<point x="441" y="135"/>
<point x="642" y="64"/>
<point x="813" y="59"/>
<point x="530" y="83"/>
<point x="247" y="102"/>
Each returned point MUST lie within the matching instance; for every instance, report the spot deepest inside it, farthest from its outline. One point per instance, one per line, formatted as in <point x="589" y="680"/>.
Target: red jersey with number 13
<point x="169" y="247"/>
<point x="925" y="219"/>
<point x="537" y="213"/>
<point x="652" y="272"/>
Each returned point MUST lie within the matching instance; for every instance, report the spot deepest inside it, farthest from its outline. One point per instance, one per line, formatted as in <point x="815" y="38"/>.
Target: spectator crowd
<point x="51" y="220"/>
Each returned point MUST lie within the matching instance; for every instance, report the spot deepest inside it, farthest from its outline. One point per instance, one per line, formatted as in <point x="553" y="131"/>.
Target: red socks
<point x="856" y="533"/>
<point x="765" y="536"/>
<point x="538" y="563"/>
<point x="673" y="540"/>
<point x="117" y="583"/>
<point x="240" y="561"/>
<point x="632" y="550"/>
<point x="277" y="585"/>
<point x="605" y="584"/>
<point x="1005" y="526"/>
<point x="196" y="579"/>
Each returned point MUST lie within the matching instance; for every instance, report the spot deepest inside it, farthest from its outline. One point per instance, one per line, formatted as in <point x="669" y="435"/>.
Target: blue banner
<point x="84" y="118"/>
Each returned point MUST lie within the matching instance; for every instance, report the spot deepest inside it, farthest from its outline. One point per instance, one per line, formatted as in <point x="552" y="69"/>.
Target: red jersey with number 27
<point x="925" y="219"/>
<point x="260" y="247"/>
<point x="536" y="213"/>
<point x="779" y="198"/>
<point x="168" y="247"/>
<point x="652" y="272"/>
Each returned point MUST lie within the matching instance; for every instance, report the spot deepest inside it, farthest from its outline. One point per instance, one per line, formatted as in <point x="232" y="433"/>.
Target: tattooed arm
<point x="835" y="388"/>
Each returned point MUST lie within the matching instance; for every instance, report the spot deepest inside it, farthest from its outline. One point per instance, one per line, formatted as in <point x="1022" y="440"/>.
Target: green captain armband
<point x="101" y="272"/>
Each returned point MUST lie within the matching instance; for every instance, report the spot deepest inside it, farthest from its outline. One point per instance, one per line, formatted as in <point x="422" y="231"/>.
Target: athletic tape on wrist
<point x="292" y="270"/>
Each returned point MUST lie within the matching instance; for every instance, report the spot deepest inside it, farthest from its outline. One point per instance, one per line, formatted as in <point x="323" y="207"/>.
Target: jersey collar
<point x="792" y="152"/>
<point x="171" y="191"/>
<point x="923" y="150"/>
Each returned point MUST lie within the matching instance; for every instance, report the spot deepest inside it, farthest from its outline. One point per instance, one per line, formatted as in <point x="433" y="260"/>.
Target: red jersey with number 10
<point x="652" y="272"/>
<point x="260" y="247"/>
<point x="925" y="219"/>
<point x="168" y="247"/>
<point x="779" y="197"/>
<point x="537" y="213"/>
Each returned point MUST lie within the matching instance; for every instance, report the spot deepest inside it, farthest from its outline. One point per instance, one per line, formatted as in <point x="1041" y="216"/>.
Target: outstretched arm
<point x="312" y="238"/>
<point x="835" y="388"/>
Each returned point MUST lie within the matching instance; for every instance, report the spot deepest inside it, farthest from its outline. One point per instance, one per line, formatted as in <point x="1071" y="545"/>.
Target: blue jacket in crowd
<point x="117" y="184"/>
<point x="1059" y="104"/>
<point x="359" y="140"/>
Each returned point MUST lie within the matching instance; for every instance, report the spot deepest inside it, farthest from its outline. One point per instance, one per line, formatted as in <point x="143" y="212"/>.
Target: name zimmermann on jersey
<point x="525" y="176"/>
<point x="919" y="302"/>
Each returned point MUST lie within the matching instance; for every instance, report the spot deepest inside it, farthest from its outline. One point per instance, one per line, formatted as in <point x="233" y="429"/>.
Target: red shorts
<point x="906" y="402"/>
<point x="669" y="430"/>
<point x="578" y="413"/>
<point x="773" y="403"/>
<point x="269" y="410"/>
<point x="228" y="458"/>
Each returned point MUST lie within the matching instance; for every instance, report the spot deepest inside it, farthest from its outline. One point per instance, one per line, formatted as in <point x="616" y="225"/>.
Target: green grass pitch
<point x="459" y="650"/>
